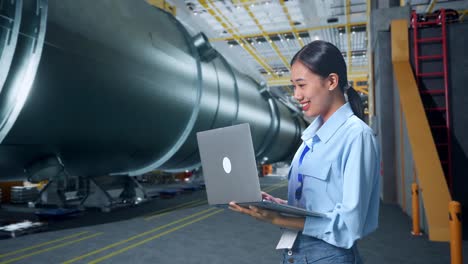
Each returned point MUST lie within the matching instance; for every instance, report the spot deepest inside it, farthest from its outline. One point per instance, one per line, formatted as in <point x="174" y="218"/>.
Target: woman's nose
<point x="297" y="95"/>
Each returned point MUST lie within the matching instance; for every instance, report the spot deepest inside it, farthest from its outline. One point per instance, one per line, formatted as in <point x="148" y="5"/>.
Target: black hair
<point x="323" y="58"/>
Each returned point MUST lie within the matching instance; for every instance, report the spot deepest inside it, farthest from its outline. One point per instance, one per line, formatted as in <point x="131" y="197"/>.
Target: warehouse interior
<point x="101" y="103"/>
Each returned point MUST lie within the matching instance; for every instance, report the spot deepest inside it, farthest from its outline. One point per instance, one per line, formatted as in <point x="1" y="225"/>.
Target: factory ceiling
<point x="264" y="34"/>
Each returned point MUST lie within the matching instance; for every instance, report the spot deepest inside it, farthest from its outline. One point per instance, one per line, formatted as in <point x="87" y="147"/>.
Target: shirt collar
<point x="311" y="131"/>
<point x="324" y="131"/>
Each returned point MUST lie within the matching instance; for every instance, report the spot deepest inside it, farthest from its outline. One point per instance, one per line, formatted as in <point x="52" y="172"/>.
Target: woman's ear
<point x="332" y="82"/>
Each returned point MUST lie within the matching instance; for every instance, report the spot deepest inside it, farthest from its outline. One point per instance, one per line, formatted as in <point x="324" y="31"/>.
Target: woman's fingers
<point x="252" y="210"/>
<point x="260" y="214"/>
<point x="267" y="196"/>
<point x="270" y="197"/>
<point x="280" y="201"/>
<point x="235" y="207"/>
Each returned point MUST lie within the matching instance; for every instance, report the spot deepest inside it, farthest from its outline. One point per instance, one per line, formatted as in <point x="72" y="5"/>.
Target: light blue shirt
<point x="340" y="176"/>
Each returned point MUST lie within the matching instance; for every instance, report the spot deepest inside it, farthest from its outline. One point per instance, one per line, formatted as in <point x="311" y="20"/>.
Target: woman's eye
<point x="294" y="87"/>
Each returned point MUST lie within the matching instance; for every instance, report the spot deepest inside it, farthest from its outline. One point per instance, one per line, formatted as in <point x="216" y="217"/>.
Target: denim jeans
<point x="308" y="250"/>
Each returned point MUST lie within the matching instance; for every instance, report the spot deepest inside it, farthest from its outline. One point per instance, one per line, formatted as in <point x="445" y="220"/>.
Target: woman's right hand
<point x="268" y="197"/>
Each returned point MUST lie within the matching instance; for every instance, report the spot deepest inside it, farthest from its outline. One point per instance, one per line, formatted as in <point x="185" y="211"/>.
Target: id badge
<point x="287" y="239"/>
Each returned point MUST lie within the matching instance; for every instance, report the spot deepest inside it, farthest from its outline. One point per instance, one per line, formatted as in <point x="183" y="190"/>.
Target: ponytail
<point x="355" y="101"/>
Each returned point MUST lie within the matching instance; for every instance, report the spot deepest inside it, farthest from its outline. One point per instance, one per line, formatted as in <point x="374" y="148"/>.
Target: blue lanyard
<point x="299" y="175"/>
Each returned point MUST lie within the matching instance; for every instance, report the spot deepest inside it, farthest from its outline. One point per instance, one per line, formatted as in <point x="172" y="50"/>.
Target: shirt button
<point x="291" y="260"/>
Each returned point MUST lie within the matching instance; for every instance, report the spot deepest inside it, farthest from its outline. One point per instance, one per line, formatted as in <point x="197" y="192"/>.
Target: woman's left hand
<point x="259" y="214"/>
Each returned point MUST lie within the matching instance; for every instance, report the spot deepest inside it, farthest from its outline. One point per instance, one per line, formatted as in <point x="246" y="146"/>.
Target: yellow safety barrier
<point x="267" y="169"/>
<point x="455" y="232"/>
<point x="415" y="200"/>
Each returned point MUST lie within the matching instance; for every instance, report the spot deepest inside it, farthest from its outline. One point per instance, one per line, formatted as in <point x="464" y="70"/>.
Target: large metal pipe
<point x="122" y="88"/>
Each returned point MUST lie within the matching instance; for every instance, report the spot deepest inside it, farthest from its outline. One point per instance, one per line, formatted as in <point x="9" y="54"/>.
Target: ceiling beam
<point x="285" y="80"/>
<point x="431" y="5"/>
<point x="348" y="33"/>
<point x="421" y="8"/>
<point x="362" y="90"/>
<point x="370" y="60"/>
<point x="282" y="81"/>
<point x="282" y="32"/>
<point x="463" y="14"/>
<point x="217" y="14"/>
<point x="266" y="36"/>
<point x="291" y="23"/>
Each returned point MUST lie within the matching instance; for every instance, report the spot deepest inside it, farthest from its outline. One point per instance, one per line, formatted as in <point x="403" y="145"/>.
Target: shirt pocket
<point x="315" y="169"/>
<point x="316" y="177"/>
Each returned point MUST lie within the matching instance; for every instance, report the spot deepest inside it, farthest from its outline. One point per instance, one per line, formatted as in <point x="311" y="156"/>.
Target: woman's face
<point x="310" y="90"/>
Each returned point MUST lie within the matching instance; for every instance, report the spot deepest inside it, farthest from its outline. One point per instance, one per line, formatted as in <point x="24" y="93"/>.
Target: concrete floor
<point x="185" y="229"/>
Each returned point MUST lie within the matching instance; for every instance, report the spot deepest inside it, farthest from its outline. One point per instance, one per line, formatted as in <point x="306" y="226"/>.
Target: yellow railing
<point x="434" y="189"/>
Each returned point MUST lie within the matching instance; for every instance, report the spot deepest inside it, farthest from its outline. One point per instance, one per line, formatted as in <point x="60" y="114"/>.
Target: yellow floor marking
<point x="49" y="249"/>
<point x="170" y="209"/>
<point x="43" y="244"/>
<point x="135" y="237"/>
<point x="174" y="209"/>
<point x="153" y="237"/>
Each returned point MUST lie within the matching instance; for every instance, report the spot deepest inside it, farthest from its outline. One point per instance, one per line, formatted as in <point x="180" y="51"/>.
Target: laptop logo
<point x="227" y="165"/>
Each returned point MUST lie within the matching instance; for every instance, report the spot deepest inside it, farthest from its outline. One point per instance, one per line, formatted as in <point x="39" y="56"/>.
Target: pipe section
<point x="122" y="89"/>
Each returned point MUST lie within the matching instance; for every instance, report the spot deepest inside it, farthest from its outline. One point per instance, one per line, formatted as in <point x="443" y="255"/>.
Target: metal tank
<point x="121" y="89"/>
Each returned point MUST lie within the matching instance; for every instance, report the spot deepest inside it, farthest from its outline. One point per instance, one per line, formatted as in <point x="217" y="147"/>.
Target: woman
<point x="336" y="169"/>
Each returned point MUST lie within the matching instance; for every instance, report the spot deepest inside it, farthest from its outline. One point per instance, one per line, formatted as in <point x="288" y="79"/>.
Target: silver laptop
<point x="230" y="171"/>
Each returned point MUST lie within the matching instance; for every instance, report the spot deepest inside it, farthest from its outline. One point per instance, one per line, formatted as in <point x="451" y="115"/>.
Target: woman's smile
<point x="305" y="106"/>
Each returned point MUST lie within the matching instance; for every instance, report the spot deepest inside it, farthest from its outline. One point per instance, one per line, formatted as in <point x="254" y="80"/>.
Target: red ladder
<point x="441" y="128"/>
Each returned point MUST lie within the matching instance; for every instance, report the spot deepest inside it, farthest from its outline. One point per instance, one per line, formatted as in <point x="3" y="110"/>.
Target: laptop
<point x="230" y="171"/>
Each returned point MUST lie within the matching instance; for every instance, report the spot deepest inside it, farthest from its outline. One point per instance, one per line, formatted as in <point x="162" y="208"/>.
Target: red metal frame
<point x="439" y="21"/>
<point x="447" y="101"/>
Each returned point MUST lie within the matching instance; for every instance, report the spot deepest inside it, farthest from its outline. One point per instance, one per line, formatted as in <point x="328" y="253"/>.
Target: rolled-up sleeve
<point x="357" y="214"/>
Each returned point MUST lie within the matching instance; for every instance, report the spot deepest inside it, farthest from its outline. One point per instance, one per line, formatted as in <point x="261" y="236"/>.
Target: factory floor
<point x="184" y="229"/>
